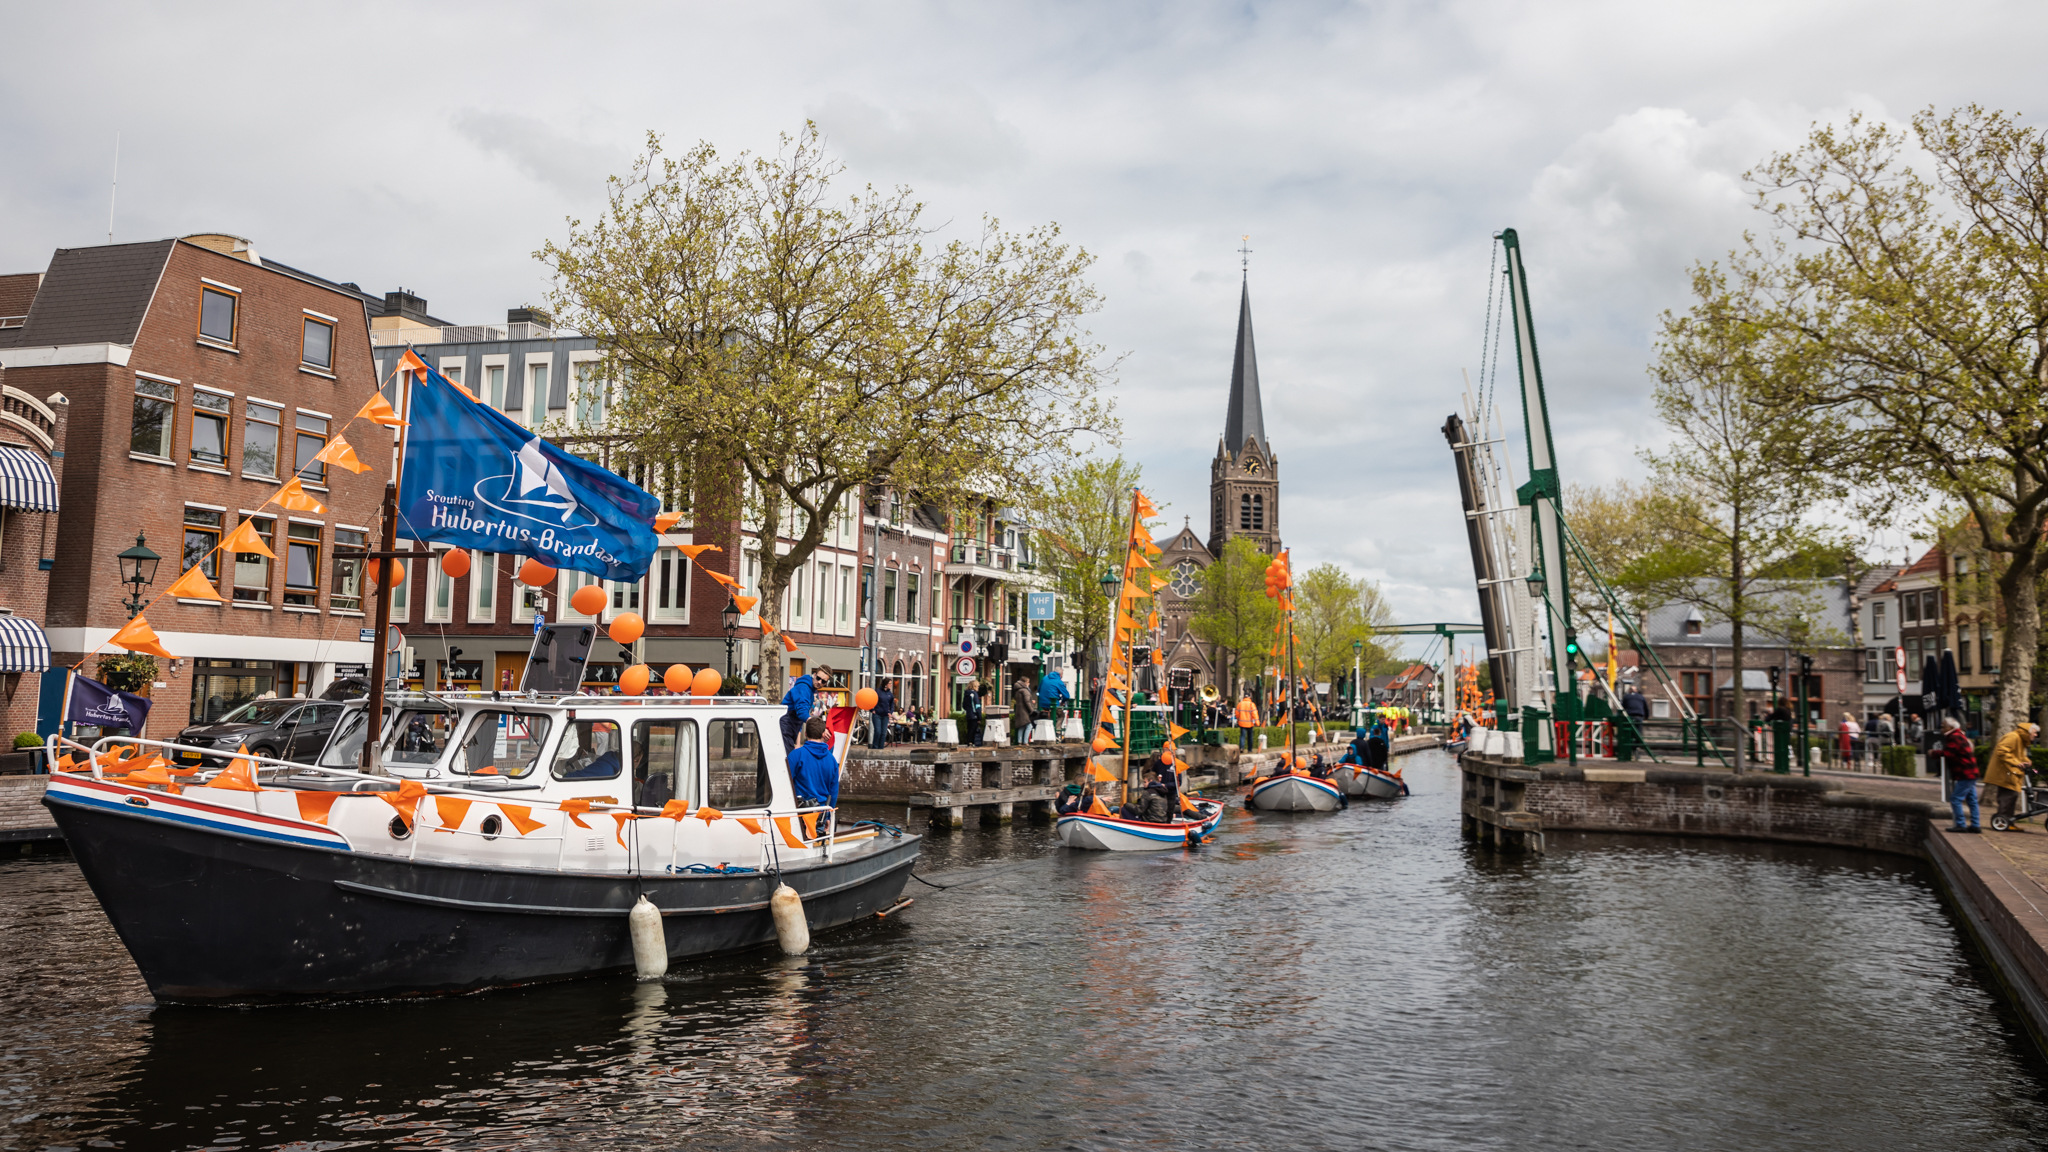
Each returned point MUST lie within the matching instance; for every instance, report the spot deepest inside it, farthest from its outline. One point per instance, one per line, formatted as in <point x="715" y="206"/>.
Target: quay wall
<point x="1998" y="904"/>
<point x="24" y="822"/>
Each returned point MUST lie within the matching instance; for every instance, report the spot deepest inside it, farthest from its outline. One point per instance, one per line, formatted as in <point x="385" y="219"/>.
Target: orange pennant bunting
<point x="675" y="809"/>
<point x="245" y="538"/>
<point x="1146" y="510"/>
<point x="521" y="816"/>
<point x="378" y="410"/>
<point x="788" y="834"/>
<point x="666" y="521"/>
<point x="722" y="578"/>
<point x="342" y="454"/>
<point x="695" y="550"/>
<point x="314" y="806"/>
<point x="750" y="824"/>
<point x="293" y="498"/>
<point x="194" y="585"/>
<point x="787" y="643"/>
<point x="707" y="813"/>
<point x="138" y="636"/>
<point x="451" y="810"/>
<point x="745" y="603"/>
<point x="623" y="818"/>
<point x="576" y="809"/>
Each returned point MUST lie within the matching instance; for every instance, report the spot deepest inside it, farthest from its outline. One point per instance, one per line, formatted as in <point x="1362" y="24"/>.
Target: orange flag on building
<point x="342" y="455"/>
<point x="138" y="636"/>
<point x="378" y="410"/>
<point x="294" y="498"/>
<point x="194" y="585"/>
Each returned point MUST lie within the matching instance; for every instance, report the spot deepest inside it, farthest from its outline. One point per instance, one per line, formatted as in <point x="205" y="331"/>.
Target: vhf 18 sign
<point x="1038" y="606"/>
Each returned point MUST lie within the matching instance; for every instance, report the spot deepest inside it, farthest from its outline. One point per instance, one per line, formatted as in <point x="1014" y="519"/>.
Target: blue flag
<point x="475" y="479"/>
<point x="96" y="704"/>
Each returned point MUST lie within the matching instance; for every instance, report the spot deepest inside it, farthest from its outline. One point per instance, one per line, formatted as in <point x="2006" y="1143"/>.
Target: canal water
<point x="1356" y="980"/>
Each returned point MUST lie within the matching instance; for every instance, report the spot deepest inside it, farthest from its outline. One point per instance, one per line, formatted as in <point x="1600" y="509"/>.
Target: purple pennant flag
<point x="102" y="707"/>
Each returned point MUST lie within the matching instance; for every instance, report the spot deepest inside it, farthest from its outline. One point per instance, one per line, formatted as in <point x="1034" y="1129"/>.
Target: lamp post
<point x="1357" y="655"/>
<point x="730" y="615"/>
<point x="1111" y="581"/>
<point x="138" y="571"/>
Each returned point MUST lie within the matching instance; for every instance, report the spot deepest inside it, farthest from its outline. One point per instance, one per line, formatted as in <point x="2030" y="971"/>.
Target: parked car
<point x="291" y="729"/>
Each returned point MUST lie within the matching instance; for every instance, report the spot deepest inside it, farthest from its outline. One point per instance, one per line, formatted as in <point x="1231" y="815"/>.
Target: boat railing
<point x="772" y="821"/>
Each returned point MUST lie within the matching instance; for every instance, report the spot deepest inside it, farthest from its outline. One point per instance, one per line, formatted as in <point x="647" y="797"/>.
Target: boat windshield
<point x="422" y="735"/>
<point x="502" y="744"/>
<point x="345" y="748"/>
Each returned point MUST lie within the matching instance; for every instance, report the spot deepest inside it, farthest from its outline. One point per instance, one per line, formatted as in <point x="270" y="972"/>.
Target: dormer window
<point x="1694" y="623"/>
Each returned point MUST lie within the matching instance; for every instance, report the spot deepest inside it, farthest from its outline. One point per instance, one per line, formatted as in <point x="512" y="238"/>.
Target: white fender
<point x="790" y="928"/>
<point x="650" y="944"/>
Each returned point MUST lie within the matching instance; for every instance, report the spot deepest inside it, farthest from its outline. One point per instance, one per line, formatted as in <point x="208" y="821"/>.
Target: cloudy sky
<point x="1370" y="150"/>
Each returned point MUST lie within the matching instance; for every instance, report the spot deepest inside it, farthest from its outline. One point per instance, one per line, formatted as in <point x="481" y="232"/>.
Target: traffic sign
<point x="1899" y="668"/>
<point x="366" y="635"/>
<point x="968" y="647"/>
<point x="1038" y="606"/>
<point x="540" y="621"/>
<point x="964" y="666"/>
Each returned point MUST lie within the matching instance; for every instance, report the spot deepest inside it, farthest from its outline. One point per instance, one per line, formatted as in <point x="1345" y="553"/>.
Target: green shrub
<point x="127" y="671"/>
<point x="1899" y="759"/>
<point x="27" y="740"/>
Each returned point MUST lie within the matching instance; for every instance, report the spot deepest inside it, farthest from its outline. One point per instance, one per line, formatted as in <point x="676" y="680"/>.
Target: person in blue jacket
<point x="798" y="702"/>
<point x="1053" y="694"/>
<point x="813" y="770"/>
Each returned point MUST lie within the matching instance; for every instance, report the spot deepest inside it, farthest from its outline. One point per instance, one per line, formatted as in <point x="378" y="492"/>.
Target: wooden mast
<point x="1116" y="609"/>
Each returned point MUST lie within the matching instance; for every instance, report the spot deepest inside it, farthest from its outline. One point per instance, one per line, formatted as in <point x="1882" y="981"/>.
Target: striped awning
<point x="23" y="645"/>
<point x="26" y="481"/>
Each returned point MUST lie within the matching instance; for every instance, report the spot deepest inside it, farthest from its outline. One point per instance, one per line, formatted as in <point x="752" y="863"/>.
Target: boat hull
<point x="215" y="916"/>
<point x="1111" y="834"/>
<point x="1296" y="794"/>
<point x="1350" y="778"/>
<point x="1383" y="785"/>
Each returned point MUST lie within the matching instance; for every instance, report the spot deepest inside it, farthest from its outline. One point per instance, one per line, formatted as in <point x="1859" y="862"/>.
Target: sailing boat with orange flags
<point x="1098" y="827"/>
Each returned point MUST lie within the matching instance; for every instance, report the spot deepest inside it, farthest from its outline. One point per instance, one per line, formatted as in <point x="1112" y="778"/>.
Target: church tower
<point x="1244" y="479"/>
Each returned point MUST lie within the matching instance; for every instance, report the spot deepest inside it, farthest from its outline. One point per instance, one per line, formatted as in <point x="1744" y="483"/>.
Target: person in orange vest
<point x="1247" y="719"/>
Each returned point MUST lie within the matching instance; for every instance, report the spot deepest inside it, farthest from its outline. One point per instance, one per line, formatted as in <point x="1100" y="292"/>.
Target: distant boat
<point x="1296" y="792"/>
<point x="1115" y="834"/>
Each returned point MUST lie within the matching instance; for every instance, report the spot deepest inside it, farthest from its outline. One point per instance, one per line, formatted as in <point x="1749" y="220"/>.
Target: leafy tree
<point x="1331" y="610"/>
<point x="1083" y="519"/>
<point x="1734" y="488"/>
<point x="1616" y="525"/>
<point x="1231" y="610"/>
<point x="1921" y="301"/>
<point x="787" y="346"/>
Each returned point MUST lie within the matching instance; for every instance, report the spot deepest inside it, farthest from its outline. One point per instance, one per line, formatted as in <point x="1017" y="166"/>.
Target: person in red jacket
<point x="1961" y="755"/>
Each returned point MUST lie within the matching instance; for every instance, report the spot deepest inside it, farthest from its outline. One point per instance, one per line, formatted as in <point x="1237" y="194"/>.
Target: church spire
<point x="1247" y="417"/>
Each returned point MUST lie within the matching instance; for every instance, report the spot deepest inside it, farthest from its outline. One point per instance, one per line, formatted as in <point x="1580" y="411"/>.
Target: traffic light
<point x="1571" y="646"/>
<point x="1806" y="665"/>
<point x="1775" y="671"/>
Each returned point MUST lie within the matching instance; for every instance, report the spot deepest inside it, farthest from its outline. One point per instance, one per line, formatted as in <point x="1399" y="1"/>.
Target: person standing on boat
<point x="813" y="770"/>
<point x="1247" y="719"/>
<point x="1376" y="745"/>
<point x="878" y="720"/>
<point x="799" y="701"/>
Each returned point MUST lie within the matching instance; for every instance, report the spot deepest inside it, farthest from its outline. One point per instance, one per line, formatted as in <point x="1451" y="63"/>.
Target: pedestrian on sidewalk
<point x="970" y="707"/>
<point x="878" y="717"/>
<point x="1961" y="757"/>
<point x="1021" y="719"/>
<point x="1848" y="733"/>
<point x="2008" y="770"/>
<point x="1635" y="710"/>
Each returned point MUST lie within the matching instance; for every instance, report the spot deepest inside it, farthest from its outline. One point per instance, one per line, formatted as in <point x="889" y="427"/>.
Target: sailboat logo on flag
<point x="535" y="489"/>
<point x="474" y="479"/>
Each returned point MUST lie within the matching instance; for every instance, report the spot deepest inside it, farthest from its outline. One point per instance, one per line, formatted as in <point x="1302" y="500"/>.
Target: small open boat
<point x="1114" y="834"/>
<point x="1296" y="792"/>
<point x="1383" y="783"/>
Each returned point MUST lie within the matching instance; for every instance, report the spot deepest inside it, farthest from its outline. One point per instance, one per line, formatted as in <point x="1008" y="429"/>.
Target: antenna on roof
<point x="114" y="188"/>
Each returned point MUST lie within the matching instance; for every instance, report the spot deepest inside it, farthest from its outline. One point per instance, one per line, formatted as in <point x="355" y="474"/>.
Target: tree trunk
<point x="2019" y="588"/>
<point x="1738" y="651"/>
<point x="772" y="665"/>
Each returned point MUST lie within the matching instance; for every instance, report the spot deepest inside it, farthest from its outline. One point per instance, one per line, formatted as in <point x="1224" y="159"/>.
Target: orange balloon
<point x="455" y="562"/>
<point x="535" y="574"/>
<point x="588" y="599"/>
<point x="866" y="698"/>
<point x="627" y="628"/>
<point x="633" y="681"/>
<point x="707" y="682"/>
<point x="375" y="569"/>
<point x="677" y="679"/>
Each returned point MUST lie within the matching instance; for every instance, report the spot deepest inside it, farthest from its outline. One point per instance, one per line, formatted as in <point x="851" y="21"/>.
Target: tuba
<point x="1209" y="694"/>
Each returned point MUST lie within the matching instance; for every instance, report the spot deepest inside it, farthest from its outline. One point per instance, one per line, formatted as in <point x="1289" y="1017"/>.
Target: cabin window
<point x="738" y="766"/>
<point x="590" y="750"/>
<point x="501" y="743"/>
<point x="422" y="734"/>
<point x="665" y="763"/>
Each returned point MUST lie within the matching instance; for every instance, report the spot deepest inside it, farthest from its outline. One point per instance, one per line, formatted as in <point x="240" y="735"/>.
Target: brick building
<point x="32" y="435"/>
<point x="1699" y="654"/>
<point x="199" y="377"/>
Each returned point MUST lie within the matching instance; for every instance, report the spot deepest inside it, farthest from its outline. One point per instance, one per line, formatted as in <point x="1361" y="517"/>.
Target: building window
<point x="252" y="569"/>
<point x="217" y="315"/>
<point x="1244" y="512"/>
<point x="312" y="438"/>
<point x="302" y="565"/>
<point x="1877" y="615"/>
<point x="210" y="428"/>
<point x="1987" y="650"/>
<point x="483" y="588"/>
<point x="1909" y="608"/>
<point x="202" y="536"/>
<point x="1873" y="665"/>
<point x="796" y="597"/>
<point x="589" y="396"/>
<point x="494" y="376"/>
<point x="440" y="591"/>
<point x="259" y="439"/>
<point x="319" y="346"/>
<point x="1930" y="606"/>
<point x="401" y="591"/>
<point x="452" y="372"/>
<point x="671" y="585"/>
<point x="347" y="593"/>
<point x="889" y="594"/>
<point x="1258" y="513"/>
<point x="1697" y="688"/>
<point x="625" y="595"/>
<point x="1694" y="625"/>
<point x="536" y="395"/>
<point x="1963" y="651"/>
<point x="151" y="432"/>
<point x="845" y="608"/>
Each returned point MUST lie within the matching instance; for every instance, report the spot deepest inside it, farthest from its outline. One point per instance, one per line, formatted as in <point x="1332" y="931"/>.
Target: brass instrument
<point x="1210" y="695"/>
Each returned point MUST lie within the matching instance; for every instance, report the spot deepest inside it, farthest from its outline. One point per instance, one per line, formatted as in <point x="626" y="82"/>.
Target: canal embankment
<point x="1996" y="883"/>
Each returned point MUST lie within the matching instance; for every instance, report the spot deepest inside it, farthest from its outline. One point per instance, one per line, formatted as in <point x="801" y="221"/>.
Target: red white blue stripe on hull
<point x="1112" y="834"/>
<point x="130" y="800"/>
<point x="1296" y="794"/>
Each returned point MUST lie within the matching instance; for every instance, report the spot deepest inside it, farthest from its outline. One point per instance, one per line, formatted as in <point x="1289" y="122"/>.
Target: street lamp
<point x="730" y="614"/>
<point x="1357" y="656"/>
<point x="138" y="571"/>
